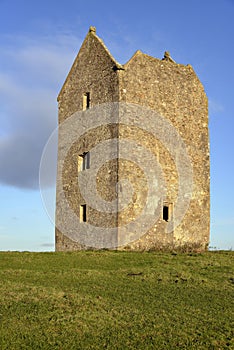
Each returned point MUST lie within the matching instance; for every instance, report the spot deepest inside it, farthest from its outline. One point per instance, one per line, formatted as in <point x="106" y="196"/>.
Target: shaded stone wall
<point x="174" y="91"/>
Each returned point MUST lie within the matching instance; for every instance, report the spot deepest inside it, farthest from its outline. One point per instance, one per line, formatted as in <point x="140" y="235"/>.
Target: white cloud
<point x="31" y="76"/>
<point x="215" y="107"/>
<point x="223" y="222"/>
<point x="43" y="59"/>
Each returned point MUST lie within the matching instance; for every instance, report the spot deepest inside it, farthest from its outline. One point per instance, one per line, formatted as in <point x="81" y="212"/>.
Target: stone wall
<point x="173" y="91"/>
<point x="92" y="72"/>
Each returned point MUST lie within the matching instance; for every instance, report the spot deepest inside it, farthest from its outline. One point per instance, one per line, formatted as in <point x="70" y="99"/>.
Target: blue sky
<point x="39" y="41"/>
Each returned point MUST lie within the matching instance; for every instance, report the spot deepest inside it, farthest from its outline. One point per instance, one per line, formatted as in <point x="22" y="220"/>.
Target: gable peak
<point x="92" y="29"/>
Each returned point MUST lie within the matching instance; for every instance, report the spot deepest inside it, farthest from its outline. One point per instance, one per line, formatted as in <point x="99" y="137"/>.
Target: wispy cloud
<point x="32" y="72"/>
<point x="223" y="222"/>
<point x="49" y="245"/>
<point x="215" y="107"/>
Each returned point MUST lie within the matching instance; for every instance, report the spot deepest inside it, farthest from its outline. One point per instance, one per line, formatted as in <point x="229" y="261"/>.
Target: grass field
<point x="116" y="300"/>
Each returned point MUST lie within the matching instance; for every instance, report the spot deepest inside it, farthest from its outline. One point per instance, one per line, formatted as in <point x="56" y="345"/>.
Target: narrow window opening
<point x="165" y="212"/>
<point x="84" y="161"/>
<point x="83" y="213"/>
<point x="86" y="101"/>
<point x="87" y="160"/>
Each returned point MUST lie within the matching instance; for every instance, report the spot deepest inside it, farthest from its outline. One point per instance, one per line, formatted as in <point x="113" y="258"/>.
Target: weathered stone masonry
<point x="172" y="90"/>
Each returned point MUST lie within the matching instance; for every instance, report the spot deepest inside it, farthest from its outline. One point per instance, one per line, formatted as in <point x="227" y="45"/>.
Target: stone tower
<point x="151" y="106"/>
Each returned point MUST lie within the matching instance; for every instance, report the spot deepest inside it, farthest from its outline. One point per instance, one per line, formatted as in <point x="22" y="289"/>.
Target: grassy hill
<point x="116" y="300"/>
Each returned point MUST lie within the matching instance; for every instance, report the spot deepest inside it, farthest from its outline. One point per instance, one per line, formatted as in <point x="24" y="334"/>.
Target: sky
<point x="39" y="41"/>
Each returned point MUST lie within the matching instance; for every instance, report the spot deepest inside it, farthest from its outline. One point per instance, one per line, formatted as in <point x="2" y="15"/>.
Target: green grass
<point x="116" y="300"/>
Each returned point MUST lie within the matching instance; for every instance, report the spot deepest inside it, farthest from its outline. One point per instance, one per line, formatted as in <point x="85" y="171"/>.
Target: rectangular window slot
<point x="83" y="213"/>
<point x="84" y="161"/>
<point x="166" y="212"/>
<point x="86" y="101"/>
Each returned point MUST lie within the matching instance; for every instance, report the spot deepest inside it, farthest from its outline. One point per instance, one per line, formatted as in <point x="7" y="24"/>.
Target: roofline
<point x="91" y="32"/>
